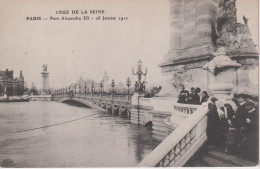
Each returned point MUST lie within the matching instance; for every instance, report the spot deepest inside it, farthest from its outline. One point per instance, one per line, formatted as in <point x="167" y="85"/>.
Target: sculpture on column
<point x="229" y="33"/>
<point x="139" y="85"/>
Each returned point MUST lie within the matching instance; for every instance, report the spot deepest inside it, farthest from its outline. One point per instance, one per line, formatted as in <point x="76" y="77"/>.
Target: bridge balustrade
<point x="183" y="142"/>
<point x="182" y="112"/>
<point x="124" y="98"/>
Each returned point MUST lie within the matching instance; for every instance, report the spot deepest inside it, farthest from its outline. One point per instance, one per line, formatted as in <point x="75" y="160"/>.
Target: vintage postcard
<point x="129" y="83"/>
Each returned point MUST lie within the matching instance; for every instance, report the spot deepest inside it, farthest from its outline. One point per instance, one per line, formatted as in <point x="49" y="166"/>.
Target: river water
<point x="51" y="134"/>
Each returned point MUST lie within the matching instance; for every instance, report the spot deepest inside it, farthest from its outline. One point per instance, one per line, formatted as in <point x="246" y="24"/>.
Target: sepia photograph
<point x="129" y="83"/>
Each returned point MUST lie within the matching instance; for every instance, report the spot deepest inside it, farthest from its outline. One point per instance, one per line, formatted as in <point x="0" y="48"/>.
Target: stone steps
<point x="230" y="158"/>
<point x="216" y="157"/>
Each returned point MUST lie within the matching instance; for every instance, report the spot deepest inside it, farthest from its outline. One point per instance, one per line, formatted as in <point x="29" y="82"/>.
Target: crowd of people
<point x="193" y="97"/>
<point x="234" y="130"/>
<point x="233" y="127"/>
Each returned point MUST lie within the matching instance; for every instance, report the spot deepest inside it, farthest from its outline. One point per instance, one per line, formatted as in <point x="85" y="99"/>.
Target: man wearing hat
<point x="195" y="98"/>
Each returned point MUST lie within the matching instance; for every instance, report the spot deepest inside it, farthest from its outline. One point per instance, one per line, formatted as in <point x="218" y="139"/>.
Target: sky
<point x="88" y="48"/>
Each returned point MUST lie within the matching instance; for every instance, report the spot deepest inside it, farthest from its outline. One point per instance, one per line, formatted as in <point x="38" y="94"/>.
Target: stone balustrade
<point x="182" y="112"/>
<point x="182" y="143"/>
<point x="145" y="101"/>
<point x="107" y="97"/>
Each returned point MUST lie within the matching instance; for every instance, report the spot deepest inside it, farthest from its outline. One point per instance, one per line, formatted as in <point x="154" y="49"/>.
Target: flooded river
<point x="51" y="134"/>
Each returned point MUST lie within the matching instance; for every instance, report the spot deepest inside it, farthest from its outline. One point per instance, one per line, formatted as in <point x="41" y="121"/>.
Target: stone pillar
<point x="175" y="28"/>
<point x="189" y="23"/>
<point x="204" y="19"/>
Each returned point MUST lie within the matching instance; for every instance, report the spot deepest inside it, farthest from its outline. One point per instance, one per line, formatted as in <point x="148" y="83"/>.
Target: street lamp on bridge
<point x="85" y="88"/>
<point x="112" y="85"/>
<point x="92" y="88"/>
<point x="101" y="87"/>
<point x="139" y="85"/>
<point x="128" y="84"/>
<point x="79" y="88"/>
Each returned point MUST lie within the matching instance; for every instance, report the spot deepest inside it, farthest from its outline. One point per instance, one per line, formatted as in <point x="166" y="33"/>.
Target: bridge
<point x="114" y="104"/>
<point x="181" y="131"/>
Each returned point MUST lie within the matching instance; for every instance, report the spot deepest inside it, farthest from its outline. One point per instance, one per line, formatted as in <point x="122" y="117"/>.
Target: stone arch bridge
<point x="117" y="104"/>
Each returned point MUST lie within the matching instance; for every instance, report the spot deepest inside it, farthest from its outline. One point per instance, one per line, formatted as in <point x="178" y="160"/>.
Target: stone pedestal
<point x="223" y="70"/>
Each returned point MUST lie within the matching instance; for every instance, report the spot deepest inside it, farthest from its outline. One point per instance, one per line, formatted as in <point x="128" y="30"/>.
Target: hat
<point x="213" y="99"/>
<point x="198" y="90"/>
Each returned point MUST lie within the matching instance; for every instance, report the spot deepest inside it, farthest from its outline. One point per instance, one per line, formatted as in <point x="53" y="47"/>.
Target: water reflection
<point x="99" y="140"/>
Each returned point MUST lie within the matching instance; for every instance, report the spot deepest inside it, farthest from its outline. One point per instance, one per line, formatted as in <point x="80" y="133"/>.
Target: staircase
<point x="186" y="145"/>
<point x="216" y="157"/>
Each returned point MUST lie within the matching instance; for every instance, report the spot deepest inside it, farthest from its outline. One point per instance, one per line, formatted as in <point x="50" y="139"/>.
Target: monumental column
<point x="45" y="81"/>
<point x="197" y="29"/>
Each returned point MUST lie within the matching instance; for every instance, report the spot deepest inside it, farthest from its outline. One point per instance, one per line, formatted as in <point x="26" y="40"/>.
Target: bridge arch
<point x="82" y="101"/>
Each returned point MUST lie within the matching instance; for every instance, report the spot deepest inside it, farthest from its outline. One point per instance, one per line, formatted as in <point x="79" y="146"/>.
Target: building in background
<point x="10" y="85"/>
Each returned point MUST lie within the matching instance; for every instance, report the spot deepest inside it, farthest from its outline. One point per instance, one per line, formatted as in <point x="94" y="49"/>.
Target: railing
<point x="182" y="112"/>
<point x="182" y="143"/>
<point x="124" y="98"/>
<point x="145" y="101"/>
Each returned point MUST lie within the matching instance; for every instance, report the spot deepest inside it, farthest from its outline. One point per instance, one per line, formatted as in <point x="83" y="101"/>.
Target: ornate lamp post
<point x="101" y="87"/>
<point x="85" y="88"/>
<point x="79" y="88"/>
<point x="140" y="86"/>
<point x="92" y="88"/>
<point x="128" y="84"/>
<point x="112" y="85"/>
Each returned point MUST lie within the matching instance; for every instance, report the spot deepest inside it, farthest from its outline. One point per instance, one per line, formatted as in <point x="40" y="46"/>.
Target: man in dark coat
<point x="213" y="128"/>
<point x="195" y="98"/>
<point x="251" y="130"/>
<point x="241" y="112"/>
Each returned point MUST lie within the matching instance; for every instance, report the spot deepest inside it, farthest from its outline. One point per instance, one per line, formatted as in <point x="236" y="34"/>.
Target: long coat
<point x="214" y="122"/>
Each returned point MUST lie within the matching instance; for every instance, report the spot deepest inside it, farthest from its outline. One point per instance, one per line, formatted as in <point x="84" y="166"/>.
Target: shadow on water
<point x="75" y="103"/>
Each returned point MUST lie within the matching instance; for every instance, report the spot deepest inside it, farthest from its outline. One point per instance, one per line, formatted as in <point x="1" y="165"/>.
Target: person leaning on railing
<point x="205" y="97"/>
